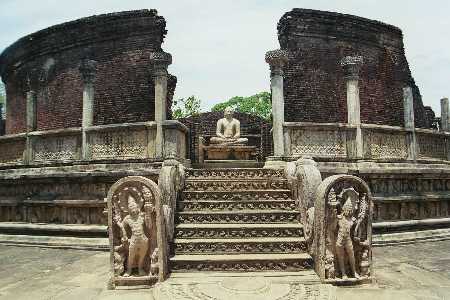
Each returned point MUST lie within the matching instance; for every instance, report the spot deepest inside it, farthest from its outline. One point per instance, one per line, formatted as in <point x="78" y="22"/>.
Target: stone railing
<point x="106" y="142"/>
<point x="325" y="140"/>
<point x="384" y="142"/>
<point x="12" y="149"/>
<point x="377" y="142"/>
<point x="432" y="144"/>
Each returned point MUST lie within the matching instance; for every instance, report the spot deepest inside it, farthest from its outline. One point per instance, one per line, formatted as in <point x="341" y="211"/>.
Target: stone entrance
<point x="238" y="220"/>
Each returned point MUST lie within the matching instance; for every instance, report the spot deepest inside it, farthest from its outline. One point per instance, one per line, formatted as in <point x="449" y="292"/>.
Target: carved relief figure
<point x="133" y="229"/>
<point x="343" y="235"/>
<point x="138" y="242"/>
<point x="344" y="243"/>
<point x="228" y="130"/>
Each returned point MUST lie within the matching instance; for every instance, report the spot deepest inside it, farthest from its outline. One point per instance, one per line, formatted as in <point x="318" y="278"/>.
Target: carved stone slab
<point x="343" y="230"/>
<point x="136" y="229"/>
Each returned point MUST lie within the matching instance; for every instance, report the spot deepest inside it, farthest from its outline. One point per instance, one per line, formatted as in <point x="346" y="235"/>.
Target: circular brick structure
<point x="47" y="62"/>
<point x="314" y="85"/>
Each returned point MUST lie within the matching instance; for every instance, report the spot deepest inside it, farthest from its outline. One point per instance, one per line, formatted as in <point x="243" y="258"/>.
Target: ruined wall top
<point x="314" y="85"/>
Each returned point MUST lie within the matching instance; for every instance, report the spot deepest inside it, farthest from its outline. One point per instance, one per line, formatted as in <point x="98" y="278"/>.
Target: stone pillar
<point x="408" y="113"/>
<point x="161" y="60"/>
<point x="31" y="111"/>
<point x="352" y="66"/>
<point x="277" y="59"/>
<point x="31" y="125"/>
<point x="445" y="115"/>
<point x="87" y="70"/>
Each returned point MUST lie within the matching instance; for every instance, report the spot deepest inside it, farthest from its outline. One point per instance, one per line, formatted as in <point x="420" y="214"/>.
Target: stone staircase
<point x="238" y="220"/>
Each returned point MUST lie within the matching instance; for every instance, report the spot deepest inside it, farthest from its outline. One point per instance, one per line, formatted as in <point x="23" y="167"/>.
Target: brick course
<point x="314" y="86"/>
<point x="47" y="62"/>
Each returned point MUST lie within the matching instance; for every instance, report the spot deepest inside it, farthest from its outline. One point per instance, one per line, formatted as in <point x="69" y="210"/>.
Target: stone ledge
<point x="76" y="243"/>
<point x="400" y="238"/>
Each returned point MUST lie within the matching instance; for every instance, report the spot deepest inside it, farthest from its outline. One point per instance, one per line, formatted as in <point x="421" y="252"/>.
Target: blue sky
<point x="218" y="46"/>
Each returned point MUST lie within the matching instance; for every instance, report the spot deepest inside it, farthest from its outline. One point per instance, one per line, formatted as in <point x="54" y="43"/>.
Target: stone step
<point x="232" y="185"/>
<point x="242" y="216"/>
<point x="230" y="205"/>
<point x="238" y="230"/>
<point x="242" y="262"/>
<point x="237" y="195"/>
<point x="240" y="245"/>
<point x="234" y="173"/>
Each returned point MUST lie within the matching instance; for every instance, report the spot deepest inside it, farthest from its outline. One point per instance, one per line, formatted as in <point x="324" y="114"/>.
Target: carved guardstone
<point x="343" y="231"/>
<point x="137" y="237"/>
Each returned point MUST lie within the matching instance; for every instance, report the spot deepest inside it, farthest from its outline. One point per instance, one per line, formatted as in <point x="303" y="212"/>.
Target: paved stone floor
<point x="417" y="271"/>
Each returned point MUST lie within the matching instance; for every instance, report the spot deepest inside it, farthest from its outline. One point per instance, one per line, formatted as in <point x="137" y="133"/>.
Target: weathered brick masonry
<point x="314" y="86"/>
<point x="47" y="62"/>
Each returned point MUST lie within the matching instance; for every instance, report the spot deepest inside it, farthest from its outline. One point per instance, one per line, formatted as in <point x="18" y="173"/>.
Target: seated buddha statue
<point x="228" y="130"/>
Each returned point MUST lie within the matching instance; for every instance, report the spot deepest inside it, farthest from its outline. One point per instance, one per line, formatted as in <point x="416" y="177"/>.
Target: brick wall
<point x="314" y="86"/>
<point x="205" y="124"/>
<point x="47" y="62"/>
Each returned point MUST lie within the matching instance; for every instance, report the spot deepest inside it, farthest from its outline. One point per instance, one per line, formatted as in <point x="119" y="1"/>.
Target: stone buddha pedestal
<point x="228" y="143"/>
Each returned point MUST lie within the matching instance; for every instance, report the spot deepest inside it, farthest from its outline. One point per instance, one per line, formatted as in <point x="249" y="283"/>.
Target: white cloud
<point x="218" y="46"/>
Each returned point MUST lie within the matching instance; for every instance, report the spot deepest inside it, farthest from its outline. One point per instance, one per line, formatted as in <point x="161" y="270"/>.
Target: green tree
<point x="2" y="92"/>
<point x="186" y="107"/>
<point x="258" y="104"/>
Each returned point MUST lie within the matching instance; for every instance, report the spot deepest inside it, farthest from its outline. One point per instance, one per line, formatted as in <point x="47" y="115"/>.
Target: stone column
<point x="31" y="119"/>
<point x="445" y="115"/>
<point x="87" y="70"/>
<point x="408" y="113"/>
<point x="31" y="111"/>
<point x="161" y="60"/>
<point x="352" y="66"/>
<point x="277" y="59"/>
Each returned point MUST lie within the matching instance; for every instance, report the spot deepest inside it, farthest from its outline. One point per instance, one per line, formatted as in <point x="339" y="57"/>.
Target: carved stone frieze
<point x="235" y="185"/>
<point x="343" y="230"/>
<point x="237" y="205"/>
<point x="119" y="144"/>
<point x="240" y="247"/>
<point x="287" y="265"/>
<point x="385" y="145"/>
<point x="237" y="195"/>
<point x="431" y="146"/>
<point x="11" y="151"/>
<point x="248" y="217"/>
<point x="234" y="174"/>
<point x="137" y="235"/>
<point x="238" y="233"/>
<point x="57" y="148"/>
<point x="318" y="142"/>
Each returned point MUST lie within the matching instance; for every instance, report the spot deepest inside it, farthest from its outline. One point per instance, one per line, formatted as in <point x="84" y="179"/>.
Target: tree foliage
<point x="2" y="92"/>
<point x="186" y="107"/>
<point x="258" y="104"/>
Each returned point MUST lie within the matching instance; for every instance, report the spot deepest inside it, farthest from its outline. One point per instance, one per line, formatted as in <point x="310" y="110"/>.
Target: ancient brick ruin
<point x="90" y="142"/>
<point x="314" y="84"/>
<point x="47" y="62"/>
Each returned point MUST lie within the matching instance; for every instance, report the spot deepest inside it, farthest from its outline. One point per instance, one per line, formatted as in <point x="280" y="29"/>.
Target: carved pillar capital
<point x="88" y="68"/>
<point x="161" y="60"/>
<point x="277" y="59"/>
<point x="352" y="66"/>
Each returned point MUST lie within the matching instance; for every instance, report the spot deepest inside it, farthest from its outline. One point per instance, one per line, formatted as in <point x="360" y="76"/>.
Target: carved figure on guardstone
<point x="136" y="229"/>
<point x="344" y="242"/>
<point x="138" y="242"/>
<point x="342" y="236"/>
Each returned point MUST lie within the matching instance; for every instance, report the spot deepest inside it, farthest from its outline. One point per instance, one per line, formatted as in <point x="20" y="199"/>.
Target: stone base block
<point x="235" y="152"/>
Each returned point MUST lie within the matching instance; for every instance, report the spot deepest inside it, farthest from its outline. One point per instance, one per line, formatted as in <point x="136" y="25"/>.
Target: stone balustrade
<point x="124" y="141"/>
<point x="337" y="141"/>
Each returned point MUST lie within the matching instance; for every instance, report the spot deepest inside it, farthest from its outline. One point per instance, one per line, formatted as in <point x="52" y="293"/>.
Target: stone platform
<point x="37" y="273"/>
